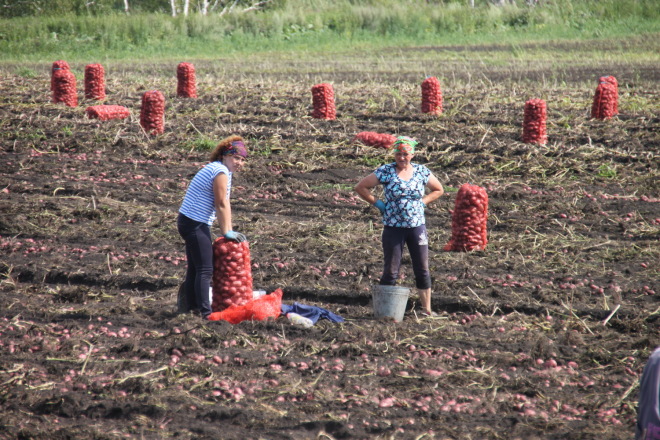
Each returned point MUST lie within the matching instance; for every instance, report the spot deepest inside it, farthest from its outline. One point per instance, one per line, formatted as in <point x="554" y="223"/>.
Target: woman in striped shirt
<point x="206" y="200"/>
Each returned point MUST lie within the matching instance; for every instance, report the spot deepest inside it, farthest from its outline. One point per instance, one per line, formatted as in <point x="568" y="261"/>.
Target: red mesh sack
<point x="232" y="274"/>
<point x="186" y="86"/>
<point x="64" y="88"/>
<point x="94" y="82"/>
<point x="431" y="96"/>
<point x="612" y="80"/>
<point x="260" y="309"/>
<point x="469" y="220"/>
<point x="57" y="65"/>
<point x="323" y="99"/>
<point x="373" y="139"/>
<point x="152" y="113"/>
<point x="606" y="98"/>
<point x="107" y="112"/>
<point x="534" y="122"/>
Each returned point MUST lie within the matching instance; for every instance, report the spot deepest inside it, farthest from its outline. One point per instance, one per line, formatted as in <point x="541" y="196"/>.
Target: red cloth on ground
<point x="264" y="307"/>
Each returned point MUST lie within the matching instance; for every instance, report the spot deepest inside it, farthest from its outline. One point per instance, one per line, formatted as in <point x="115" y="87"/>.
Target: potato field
<point x="541" y="335"/>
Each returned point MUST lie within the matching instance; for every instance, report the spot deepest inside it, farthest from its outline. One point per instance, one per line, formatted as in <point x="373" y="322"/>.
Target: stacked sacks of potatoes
<point x="107" y="112"/>
<point x="534" y="122"/>
<point x="469" y="220"/>
<point x="64" y="87"/>
<point x="431" y="96"/>
<point x="186" y="85"/>
<point x="94" y="82"/>
<point x="606" y="98"/>
<point x="323" y="100"/>
<point x="373" y="139"/>
<point x="232" y="274"/>
<point x="612" y="80"/>
<point x="57" y="65"/>
<point x="152" y="113"/>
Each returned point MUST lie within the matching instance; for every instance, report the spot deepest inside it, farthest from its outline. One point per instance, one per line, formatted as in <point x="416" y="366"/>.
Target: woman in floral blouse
<point x="404" y="184"/>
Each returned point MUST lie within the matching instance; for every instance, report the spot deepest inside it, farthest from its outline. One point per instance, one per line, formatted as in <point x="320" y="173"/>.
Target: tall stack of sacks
<point x="323" y="100"/>
<point x="612" y="80"/>
<point x="186" y="83"/>
<point x="232" y="274"/>
<point x="152" y="113"/>
<point x="469" y="231"/>
<point x="57" y="65"/>
<point x="64" y="87"/>
<point x="534" y="122"/>
<point x="431" y="96"/>
<point x="94" y="82"/>
<point x="606" y="98"/>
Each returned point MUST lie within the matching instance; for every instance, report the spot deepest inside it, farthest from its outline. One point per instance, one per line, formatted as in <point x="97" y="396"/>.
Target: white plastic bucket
<point x="390" y="301"/>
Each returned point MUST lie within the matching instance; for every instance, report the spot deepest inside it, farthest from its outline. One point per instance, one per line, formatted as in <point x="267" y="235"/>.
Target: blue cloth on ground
<point x="312" y="312"/>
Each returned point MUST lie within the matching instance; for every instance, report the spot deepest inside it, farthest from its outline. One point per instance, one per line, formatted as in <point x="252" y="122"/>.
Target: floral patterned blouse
<point x="403" y="198"/>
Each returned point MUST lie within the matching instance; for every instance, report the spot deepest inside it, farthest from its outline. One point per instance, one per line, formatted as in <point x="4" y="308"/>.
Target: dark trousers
<point x="394" y="240"/>
<point x="199" y="253"/>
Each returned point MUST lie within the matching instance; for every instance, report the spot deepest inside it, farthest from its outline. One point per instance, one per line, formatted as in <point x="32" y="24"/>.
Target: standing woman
<point x="404" y="185"/>
<point x="208" y="196"/>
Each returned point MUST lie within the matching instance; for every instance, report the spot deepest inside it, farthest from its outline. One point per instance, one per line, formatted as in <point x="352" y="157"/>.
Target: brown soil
<point x="525" y="345"/>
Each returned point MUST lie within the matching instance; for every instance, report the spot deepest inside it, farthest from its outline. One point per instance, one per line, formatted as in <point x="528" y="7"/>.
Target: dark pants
<point x="394" y="239"/>
<point x="199" y="253"/>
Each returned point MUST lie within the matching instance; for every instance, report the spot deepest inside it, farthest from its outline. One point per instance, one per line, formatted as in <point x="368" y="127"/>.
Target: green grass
<point x="333" y="186"/>
<point x="306" y="28"/>
<point x="26" y="72"/>
<point x="607" y="171"/>
<point x="201" y="144"/>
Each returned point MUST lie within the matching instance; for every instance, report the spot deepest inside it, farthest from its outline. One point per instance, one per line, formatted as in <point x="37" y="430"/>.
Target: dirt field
<point x="542" y="335"/>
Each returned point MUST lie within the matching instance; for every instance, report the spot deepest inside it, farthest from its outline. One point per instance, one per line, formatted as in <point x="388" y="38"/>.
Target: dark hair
<point x="223" y="146"/>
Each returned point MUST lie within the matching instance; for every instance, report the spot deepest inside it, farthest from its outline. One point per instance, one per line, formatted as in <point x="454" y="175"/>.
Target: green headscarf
<point x="404" y="144"/>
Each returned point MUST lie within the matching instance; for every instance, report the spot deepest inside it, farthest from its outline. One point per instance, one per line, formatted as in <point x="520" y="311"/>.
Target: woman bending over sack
<point x="404" y="184"/>
<point x="208" y="196"/>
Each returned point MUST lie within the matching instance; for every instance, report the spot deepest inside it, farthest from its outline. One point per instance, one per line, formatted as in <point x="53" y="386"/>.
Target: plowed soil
<point x="542" y="335"/>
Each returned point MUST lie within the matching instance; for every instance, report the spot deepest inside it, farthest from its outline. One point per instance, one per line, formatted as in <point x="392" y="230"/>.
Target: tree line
<point x="22" y="8"/>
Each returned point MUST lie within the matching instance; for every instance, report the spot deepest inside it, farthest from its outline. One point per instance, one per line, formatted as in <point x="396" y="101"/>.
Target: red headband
<point x="237" y="147"/>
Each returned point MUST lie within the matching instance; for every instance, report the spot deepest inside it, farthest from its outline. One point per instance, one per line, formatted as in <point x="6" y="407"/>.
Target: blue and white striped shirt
<point x="198" y="203"/>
